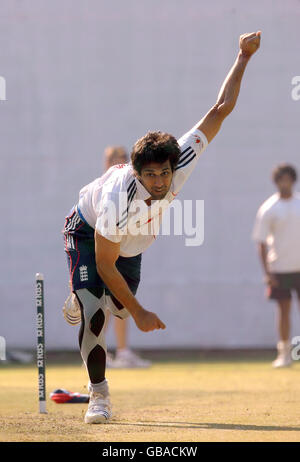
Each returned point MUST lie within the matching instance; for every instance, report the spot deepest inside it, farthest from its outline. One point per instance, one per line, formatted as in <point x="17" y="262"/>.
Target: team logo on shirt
<point x="197" y="139"/>
<point x="119" y="166"/>
<point x="83" y="273"/>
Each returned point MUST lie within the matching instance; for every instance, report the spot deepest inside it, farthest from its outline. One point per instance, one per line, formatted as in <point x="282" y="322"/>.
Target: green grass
<point x="238" y="400"/>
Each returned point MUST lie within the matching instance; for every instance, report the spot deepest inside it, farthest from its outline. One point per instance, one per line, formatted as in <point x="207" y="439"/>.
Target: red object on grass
<point x="61" y="396"/>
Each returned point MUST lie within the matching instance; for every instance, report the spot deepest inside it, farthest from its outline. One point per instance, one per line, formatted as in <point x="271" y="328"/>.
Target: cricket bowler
<point x="116" y="219"/>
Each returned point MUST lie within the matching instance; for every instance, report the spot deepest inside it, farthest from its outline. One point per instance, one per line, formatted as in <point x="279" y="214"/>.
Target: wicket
<point x="41" y="353"/>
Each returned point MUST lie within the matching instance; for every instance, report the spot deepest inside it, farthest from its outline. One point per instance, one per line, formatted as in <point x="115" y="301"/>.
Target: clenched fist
<point x="249" y="43"/>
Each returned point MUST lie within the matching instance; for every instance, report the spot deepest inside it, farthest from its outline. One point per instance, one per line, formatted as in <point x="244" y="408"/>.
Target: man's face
<point x="285" y="184"/>
<point x="157" y="179"/>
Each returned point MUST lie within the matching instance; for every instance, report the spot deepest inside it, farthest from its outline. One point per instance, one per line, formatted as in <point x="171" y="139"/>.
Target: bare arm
<point x="262" y="252"/>
<point x="107" y="253"/>
<point x="212" y="121"/>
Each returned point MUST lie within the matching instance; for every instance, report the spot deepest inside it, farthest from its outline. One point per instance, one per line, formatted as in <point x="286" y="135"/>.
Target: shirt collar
<point x="141" y="192"/>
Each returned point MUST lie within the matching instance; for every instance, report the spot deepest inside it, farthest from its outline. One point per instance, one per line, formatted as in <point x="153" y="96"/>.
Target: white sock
<point x="122" y="350"/>
<point x="101" y="387"/>
<point x="283" y="344"/>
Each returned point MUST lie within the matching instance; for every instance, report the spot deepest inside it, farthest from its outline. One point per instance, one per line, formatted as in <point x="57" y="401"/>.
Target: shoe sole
<point x="99" y="419"/>
<point x="282" y="366"/>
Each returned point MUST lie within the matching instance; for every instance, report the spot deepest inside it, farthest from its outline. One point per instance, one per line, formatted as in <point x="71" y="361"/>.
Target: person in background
<point x="124" y="357"/>
<point x="277" y="233"/>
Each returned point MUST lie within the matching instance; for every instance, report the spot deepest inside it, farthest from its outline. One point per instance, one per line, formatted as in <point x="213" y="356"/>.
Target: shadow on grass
<point x="208" y="426"/>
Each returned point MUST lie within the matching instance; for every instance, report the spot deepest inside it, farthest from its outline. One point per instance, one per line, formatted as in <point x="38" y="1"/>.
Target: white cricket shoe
<point x="284" y="355"/>
<point x="99" y="409"/>
<point x="71" y="310"/>
<point x="127" y="359"/>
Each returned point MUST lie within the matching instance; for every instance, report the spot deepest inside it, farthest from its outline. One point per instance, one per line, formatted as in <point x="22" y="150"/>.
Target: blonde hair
<point x="112" y="155"/>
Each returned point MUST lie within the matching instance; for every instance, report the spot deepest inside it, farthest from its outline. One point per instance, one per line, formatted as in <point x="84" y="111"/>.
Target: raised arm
<point x="212" y="121"/>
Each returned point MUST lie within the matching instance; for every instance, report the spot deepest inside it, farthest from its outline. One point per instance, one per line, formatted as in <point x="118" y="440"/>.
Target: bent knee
<point x="116" y="308"/>
<point x="97" y="322"/>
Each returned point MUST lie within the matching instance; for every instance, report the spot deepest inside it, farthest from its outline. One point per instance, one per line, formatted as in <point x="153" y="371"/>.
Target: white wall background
<point x="82" y="75"/>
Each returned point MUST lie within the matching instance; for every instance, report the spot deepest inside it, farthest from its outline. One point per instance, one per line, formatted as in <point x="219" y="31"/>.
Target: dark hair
<point x="155" y="147"/>
<point x="284" y="169"/>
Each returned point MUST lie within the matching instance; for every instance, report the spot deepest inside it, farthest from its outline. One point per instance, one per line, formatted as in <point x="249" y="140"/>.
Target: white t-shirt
<point x="135" y="224"/>
<point x="278" y="225"/>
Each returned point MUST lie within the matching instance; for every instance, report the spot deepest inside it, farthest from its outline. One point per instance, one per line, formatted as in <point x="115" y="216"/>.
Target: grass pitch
<point x="197" y="400"/>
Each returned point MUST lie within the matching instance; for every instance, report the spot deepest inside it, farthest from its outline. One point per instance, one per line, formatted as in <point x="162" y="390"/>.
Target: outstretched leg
<point x="91" y="337"/>
<point x="93" y="352"/>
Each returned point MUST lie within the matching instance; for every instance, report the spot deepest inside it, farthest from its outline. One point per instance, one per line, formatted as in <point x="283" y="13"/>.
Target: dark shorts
<point x="80" y="250"/>
<point x="287" y="282"/>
